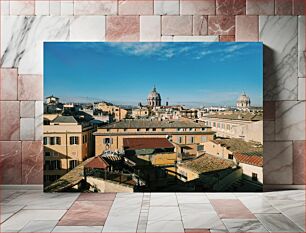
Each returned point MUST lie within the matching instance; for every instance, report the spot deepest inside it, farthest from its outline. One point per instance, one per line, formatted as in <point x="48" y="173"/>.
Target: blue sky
<point x="191" y="73"/>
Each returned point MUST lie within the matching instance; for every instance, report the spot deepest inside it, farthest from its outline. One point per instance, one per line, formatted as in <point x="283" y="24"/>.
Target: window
<point x="124" y="130"/>
<point x="203" y="129"/>
<point x="218" y="125"/>
<point x="147" y="129"/>
<point x="73" y="164"/>
<point x="53" y="165"/>
<point x="230" y="157"/>
<point x="45" y="141"/>
<point x="180" y="140"/>
<point x="58" y="140"/>
<point x="214" y="124"/>
<point x="254" y="177"/>
<point x="200" y="147"/>
<point x="47" y="153"/>
<point x="154" y="129"/>
<point x="84" y="138"/>
<point x="52" y="140"/>
<point x="107" y="140"/>
<point x="138" y="130"/>
<point x="180" y="129"/>
<point x="191" y="139"/>
<point x="74" y="140"/>
<point x="203" y="139"/>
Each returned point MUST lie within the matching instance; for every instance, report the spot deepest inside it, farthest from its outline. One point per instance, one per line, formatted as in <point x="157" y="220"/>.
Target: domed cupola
<point x="154" y="99"/>
<point x="243" y="101"/>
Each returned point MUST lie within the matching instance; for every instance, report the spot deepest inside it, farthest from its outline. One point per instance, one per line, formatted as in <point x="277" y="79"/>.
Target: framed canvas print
<point x="153" y="117"/>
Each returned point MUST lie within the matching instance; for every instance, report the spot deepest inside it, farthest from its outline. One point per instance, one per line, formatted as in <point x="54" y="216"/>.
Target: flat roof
<point x="237" y="116"/>
<point x="207" y="163"/>
<point x="138" y="123"/>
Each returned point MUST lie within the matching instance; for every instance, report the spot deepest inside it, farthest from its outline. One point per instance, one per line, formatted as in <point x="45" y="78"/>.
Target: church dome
<point x="154" y="99"/>
<point x="243" y="98"/>
<point x="154" y="94"/>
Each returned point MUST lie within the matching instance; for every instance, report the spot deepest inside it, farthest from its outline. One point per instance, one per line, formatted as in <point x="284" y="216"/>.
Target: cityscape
<point x="156" y="144"/>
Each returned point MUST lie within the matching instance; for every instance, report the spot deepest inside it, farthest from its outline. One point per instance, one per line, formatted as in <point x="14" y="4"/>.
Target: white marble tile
<point x="166" y="7"/>
<point x="279" y="35"/>
<point x="106" y="7"/>
<point x="190" y="198"/>
<point x="44" y="201"/>
<point x="163" y="200"/>
<point x="22" y="7"/>
<point x="27" y="108"/>
<point x="55" y="8"/>
<point x="39" y="226"/>
<point x="290" y="120"/>
<point x="124" y="214"/>
<point x="66" y="7"/>
<point x="294" y="210"/>
<point x="74" y="229"/>
<point x="278" y="163"/>
<point x="87" y="28"/>
<point x="8" y="210"/>
<point x="294" y="195"/>
<point x="150" y="28"/>
<point x="196" y="38"/>
<point x="165" y="213"/>
<point x="239" y="225"/>
<point x="301" y="46"/>
<point x="258" y="205"/>
<point x="27" y="131"/>
<point x="277" y="223"/>
<point x="5" y="7"/>
<point x="301" y="89"/>
<point x="165" y="226"/>
<point x="205" y="217"/>
<point x="20" y="219"/>
<point x="42" y="7"/>
<point x="22" y="40"/>
<point x="39" y="120"/>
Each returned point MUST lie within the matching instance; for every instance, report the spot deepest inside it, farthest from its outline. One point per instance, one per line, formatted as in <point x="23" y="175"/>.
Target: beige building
<point x="248" y="155"/>
<point x="111" y="136"/>
<point x="247" y="126"/>
<point x="67" y="142"/>
<point x="141" y="112"/>
<point x="116" y="112"/>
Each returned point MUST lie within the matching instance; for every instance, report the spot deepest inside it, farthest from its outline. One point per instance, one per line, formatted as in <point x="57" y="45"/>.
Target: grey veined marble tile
<point x="22" y="40"/>
<point x="290" y="120"/>
<point x="301" y="46"/>
<point x="278" y="223"/>
<point x="280" y="37"/>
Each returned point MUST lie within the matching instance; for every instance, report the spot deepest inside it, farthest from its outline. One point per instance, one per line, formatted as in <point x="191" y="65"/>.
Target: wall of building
<point x="108" y="186"/>
<point x="249" y="169"/>
<point x="277" y="23"/>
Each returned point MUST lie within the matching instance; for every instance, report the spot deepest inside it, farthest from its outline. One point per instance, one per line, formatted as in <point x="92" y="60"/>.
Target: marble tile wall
<point x="25" y="25"/>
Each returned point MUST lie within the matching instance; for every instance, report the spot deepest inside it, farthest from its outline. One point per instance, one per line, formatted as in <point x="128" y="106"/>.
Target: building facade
<point x="246" y="126"/>
<point x="67" y="143"/>
<point x="243" y="102"/>
<point x="116" y="113"/>
<point x="110" y="137"/>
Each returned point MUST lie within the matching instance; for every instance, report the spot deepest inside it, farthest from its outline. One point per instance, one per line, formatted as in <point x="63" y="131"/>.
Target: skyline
<point x="191" y="73"/>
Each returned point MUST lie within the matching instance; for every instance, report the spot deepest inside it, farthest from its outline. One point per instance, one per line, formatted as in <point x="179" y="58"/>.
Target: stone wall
<point x="279" y="24"/>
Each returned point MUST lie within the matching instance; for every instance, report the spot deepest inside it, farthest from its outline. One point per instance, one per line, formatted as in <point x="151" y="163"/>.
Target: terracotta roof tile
<point x="249" y="159"/>
<point x="146" y="143"/>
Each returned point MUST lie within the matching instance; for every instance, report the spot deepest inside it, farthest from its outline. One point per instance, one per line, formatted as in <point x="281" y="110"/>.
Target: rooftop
<point x="249" y="159"/>
<point x="154" y="124"/>
<point x="65" y="119"/>
<point x="240" y="146"/>
<point x="146" y="143"/>
<point x="97" y="162"/>
<point x="237" y="116"/>
<point x="207" y="163"/>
